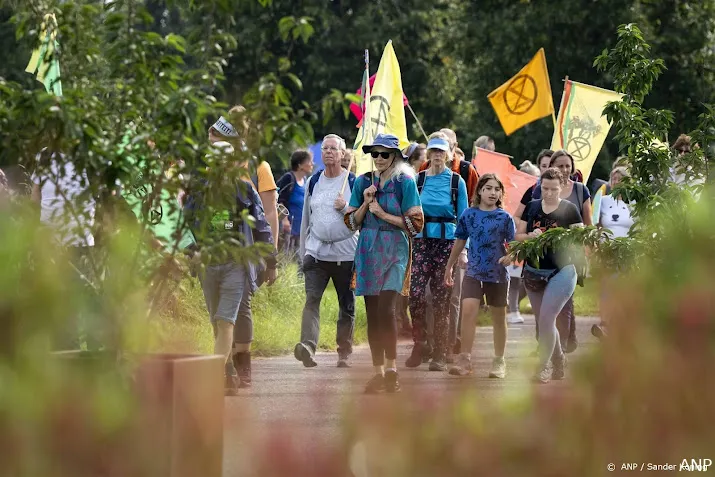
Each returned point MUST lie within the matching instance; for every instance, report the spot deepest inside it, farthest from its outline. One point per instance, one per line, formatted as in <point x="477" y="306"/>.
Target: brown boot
<point x="242" y="363"/>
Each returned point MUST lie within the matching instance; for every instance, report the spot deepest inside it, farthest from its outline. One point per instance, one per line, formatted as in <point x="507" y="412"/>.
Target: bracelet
<point x="409" y="226"/>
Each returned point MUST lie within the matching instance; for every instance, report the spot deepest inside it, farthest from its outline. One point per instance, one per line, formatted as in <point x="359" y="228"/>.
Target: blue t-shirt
<point x="488" y="232"/>
<point x="436" y="198"/>
<point x="295" y="207"/>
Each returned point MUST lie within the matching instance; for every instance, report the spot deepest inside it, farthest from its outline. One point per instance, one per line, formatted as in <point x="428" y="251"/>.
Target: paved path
<point x="305" y="405"/>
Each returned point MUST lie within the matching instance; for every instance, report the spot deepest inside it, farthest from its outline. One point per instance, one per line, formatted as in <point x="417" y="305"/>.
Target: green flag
<point x="45" y="62"/>
<point x="162" y="213"/>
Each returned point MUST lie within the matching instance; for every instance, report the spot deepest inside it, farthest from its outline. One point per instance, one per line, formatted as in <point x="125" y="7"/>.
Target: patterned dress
<point x="383" y="256"/>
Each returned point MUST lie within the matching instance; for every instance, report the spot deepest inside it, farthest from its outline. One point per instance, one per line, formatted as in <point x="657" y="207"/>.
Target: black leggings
<point x="382" y="326"/>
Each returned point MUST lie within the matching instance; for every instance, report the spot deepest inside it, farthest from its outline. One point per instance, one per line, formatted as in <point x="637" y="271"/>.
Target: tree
<point x="136" y="105"/>
<point x="663" y="209"/>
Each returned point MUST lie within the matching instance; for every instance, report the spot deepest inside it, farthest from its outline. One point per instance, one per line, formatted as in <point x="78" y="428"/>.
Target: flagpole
<point x="561" y="105"/>
<point x="419" y="124"/>
<point x="365" y="117"/>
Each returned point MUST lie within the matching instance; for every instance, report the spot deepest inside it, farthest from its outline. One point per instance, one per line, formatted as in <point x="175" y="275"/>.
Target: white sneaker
<point x="498" y="368"/>
<point x="514" y="318"/>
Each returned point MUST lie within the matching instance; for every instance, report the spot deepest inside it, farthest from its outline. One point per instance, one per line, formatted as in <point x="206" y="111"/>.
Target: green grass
<point x="585" y="301"/>
<point x="277" y="312"/>
<point x="277" y="316"/>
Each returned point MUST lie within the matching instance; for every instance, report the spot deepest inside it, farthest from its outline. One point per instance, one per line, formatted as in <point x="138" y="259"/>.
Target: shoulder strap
<point x="464" y="171"/>
<point x="455" y="192"/>
<point x="313" y="180"/>
<point x="536" y="195"/>
<point x="421" y="177"/>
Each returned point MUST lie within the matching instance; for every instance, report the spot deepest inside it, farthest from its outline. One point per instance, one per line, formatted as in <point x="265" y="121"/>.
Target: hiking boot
<point x="417" y="357"/>
<point x="231" y="385"/>
<point x="302" y="353"/>
<point x="571" y="344"/>
<point x="498" y="368"/>
<point x="242" y="363"/>
<point x="514" y="318"/>
<point x="542" y="375"/>
<point x="559" y="368"/>
<point x="391" y="382"/>
<point x="463" y="367"/>
<point x="438" y="363"/>
<point x="343" y="362"/>
<point x="376" y="384"/>
<point x="599" y="331"/>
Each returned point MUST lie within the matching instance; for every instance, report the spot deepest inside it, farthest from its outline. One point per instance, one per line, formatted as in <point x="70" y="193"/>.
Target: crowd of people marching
<point x="421" y="233"/>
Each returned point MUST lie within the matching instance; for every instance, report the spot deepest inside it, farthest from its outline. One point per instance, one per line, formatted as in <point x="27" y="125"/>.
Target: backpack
<point x="195" y="202"/>
<point x="579" y="194"/>
<point x="286" y="184"/>
<point x="454" y="187"/>
<point x="455" y="194"/>
<point x="315" y="177"/>
<point x="463" y="171"/>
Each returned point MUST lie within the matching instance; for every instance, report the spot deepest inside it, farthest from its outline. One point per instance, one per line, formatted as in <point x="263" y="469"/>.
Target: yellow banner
<point x="524" y="98"/>
<point x="385" y="110"/>
<point x="581" y="127"/>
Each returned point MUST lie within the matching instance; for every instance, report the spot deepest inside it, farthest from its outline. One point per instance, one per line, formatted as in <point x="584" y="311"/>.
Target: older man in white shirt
<point x="327" y="248"/>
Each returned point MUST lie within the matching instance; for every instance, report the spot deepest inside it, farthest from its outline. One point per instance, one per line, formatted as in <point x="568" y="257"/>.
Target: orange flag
<point x="515" y="181"/>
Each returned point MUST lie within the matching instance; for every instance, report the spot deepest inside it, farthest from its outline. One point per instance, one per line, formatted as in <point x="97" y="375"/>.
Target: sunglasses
<point x="383" y="155"/>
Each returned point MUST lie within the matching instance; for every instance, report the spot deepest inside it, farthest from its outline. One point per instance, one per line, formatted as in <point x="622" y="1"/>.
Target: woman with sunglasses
<point x="443" y="194"/>
<point x="385" y="207"/>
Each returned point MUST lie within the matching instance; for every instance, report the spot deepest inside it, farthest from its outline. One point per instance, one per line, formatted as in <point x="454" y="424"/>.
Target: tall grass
<point x="277" y="314"/>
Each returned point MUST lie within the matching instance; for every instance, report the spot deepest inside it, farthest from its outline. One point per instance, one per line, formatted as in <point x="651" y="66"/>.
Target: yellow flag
<point x="524" y="98"/>
<point x="44" y="62"/>
<point x="581" y="127"/>
<point x="386" y="111"/>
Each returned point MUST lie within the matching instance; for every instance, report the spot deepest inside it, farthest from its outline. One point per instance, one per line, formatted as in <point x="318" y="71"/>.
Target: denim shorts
<point x="223" y="287"/>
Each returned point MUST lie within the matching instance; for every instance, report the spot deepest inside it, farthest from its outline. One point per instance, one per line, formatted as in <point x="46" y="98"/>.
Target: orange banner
<point x="515" y="181"/>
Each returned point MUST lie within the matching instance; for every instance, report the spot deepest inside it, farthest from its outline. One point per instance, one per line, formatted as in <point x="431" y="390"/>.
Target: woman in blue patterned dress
<point x="386" y="209"/>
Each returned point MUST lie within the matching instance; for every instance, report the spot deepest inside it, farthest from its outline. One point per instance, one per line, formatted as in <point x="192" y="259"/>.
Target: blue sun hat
<point x="388" y="141"/>
<point x="438" y="143"/>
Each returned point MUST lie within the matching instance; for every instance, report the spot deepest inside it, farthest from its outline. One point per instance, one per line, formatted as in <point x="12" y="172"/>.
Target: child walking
<point x="489" y="228"/>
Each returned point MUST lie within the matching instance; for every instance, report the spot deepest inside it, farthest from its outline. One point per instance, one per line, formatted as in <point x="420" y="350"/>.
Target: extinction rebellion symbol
<point x="379" y="120"/>
<point x="582" y="130"/>
<point x="579" y="147"/>
<point x="521" y="94"/>
<point x="156" y="214"/>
